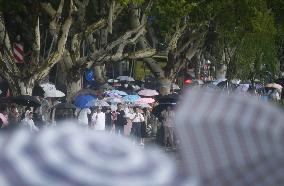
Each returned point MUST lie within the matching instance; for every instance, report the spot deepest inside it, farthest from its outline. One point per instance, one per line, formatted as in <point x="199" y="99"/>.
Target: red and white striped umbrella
<point x="18" y="52"/>
<point x="231" y="140"/>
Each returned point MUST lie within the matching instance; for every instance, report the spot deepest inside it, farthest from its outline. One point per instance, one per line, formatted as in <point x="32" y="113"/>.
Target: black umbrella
<point x="160" y="108"/>
<point x="170" y="98"/>
<point x="65" y="106"/>
<point x="24" y="100"/>
<point x="38" y="91"/>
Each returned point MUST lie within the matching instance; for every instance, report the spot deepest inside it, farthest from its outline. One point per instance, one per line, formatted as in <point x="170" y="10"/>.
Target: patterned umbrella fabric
<point x="98" y="103"/>
<point x="115" y="93"/>
<point x="70" y="155"/>
<point x="145" y="100"/>
<point x="131" y="98"/>
<point x="114" y="100"/>
<point x="83" y="100"/>
<point x="230" y="139"/>
<point x="148" y="92"/>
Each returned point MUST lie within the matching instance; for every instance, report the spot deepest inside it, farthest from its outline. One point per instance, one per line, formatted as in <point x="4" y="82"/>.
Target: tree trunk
<point x="100" y="74"/>
<point x="26" y="87"/>
<point x="73" y="86"/>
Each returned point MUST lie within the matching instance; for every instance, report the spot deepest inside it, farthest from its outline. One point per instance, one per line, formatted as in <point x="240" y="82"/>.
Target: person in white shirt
<point x="28" y="122"/>
<point x="83" y="117"/>
<point x="98" y="120"/>
<point x="137" y="118"/>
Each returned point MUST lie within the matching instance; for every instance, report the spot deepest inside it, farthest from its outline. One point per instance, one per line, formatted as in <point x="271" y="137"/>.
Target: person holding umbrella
<point x="137" y="119"/>
<point x="119" y="120"/>
<point x="28" y="122"/>
<point x="98" y="120"/>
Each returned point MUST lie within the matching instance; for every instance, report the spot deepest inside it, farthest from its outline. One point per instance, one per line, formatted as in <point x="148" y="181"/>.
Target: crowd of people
<point x="136" y="122"/>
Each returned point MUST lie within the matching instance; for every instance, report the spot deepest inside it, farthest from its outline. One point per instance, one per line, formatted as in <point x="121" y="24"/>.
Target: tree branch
<point x="6" y="48"/>
<point x="57" y="55"/>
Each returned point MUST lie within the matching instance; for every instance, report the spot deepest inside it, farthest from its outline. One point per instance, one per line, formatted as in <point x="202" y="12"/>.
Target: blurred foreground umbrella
<point x="24" y="100"/>
<point x="231" y="139"/>
<point x="87" y="153"/>
<point x="148" y="92"/>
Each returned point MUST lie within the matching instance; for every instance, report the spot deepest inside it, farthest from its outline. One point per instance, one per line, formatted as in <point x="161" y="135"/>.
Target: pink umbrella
<point x="146" y="100"/>
<point x="148" y="92"/>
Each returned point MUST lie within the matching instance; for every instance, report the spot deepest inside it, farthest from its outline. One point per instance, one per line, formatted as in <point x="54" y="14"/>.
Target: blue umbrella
<point x="131" y="98"/>
<point x="83" y="100"/>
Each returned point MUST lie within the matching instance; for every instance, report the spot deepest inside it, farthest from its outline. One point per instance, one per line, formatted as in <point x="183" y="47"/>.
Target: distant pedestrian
<point x="137" y="118"/>
<point x="98" y="120"/>
<point x="120" y="120"/>
<point x="28" y="122"/>
<point x="108" y="119"/>
<point x="82" y="115"/>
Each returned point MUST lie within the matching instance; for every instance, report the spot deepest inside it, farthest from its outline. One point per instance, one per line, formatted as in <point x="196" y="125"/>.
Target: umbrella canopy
<point x="65" y="106"/>
<point x="98" y="103"/>
<point x="87" y="92"/>
<point x="131" y="98"/>
<point x="145" y="100"/>
<point x="115" y="92"/>
<point x="157" y="110"/>
<point x="24" y="100"/>
<point x="142" y="105"/>
<point x="170" y="98"/>
<point x="148" y="92"/>
<point x="83" y="100"/>
<point x="125" y="78"/>
<point x="231" y="140"/>
<point x="37" y="91"/>
<point x="274" y="85"/>
<point x="48" y="86"/>
<point x="54" y="94"/>
<point x="114" y="100"/>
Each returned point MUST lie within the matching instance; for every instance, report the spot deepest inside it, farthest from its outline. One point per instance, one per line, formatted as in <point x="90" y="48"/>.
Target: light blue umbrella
<point x="98" y="103"/>
<point x="83" y="100"/>
<point x="131" y="98"/>
<point x="115" y="92"/>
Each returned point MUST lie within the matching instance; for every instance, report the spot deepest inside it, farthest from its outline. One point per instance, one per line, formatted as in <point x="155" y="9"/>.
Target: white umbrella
<point x="175" y="87"/>
<point x="98" y="103"/>
<point x="112" y="80"/>
<point x="48" y="87"/>
<point x="148" y="92"/>
<point x="113" y="100"/>
<point x="125" y="78"/>
<point x="54" y="94"/>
